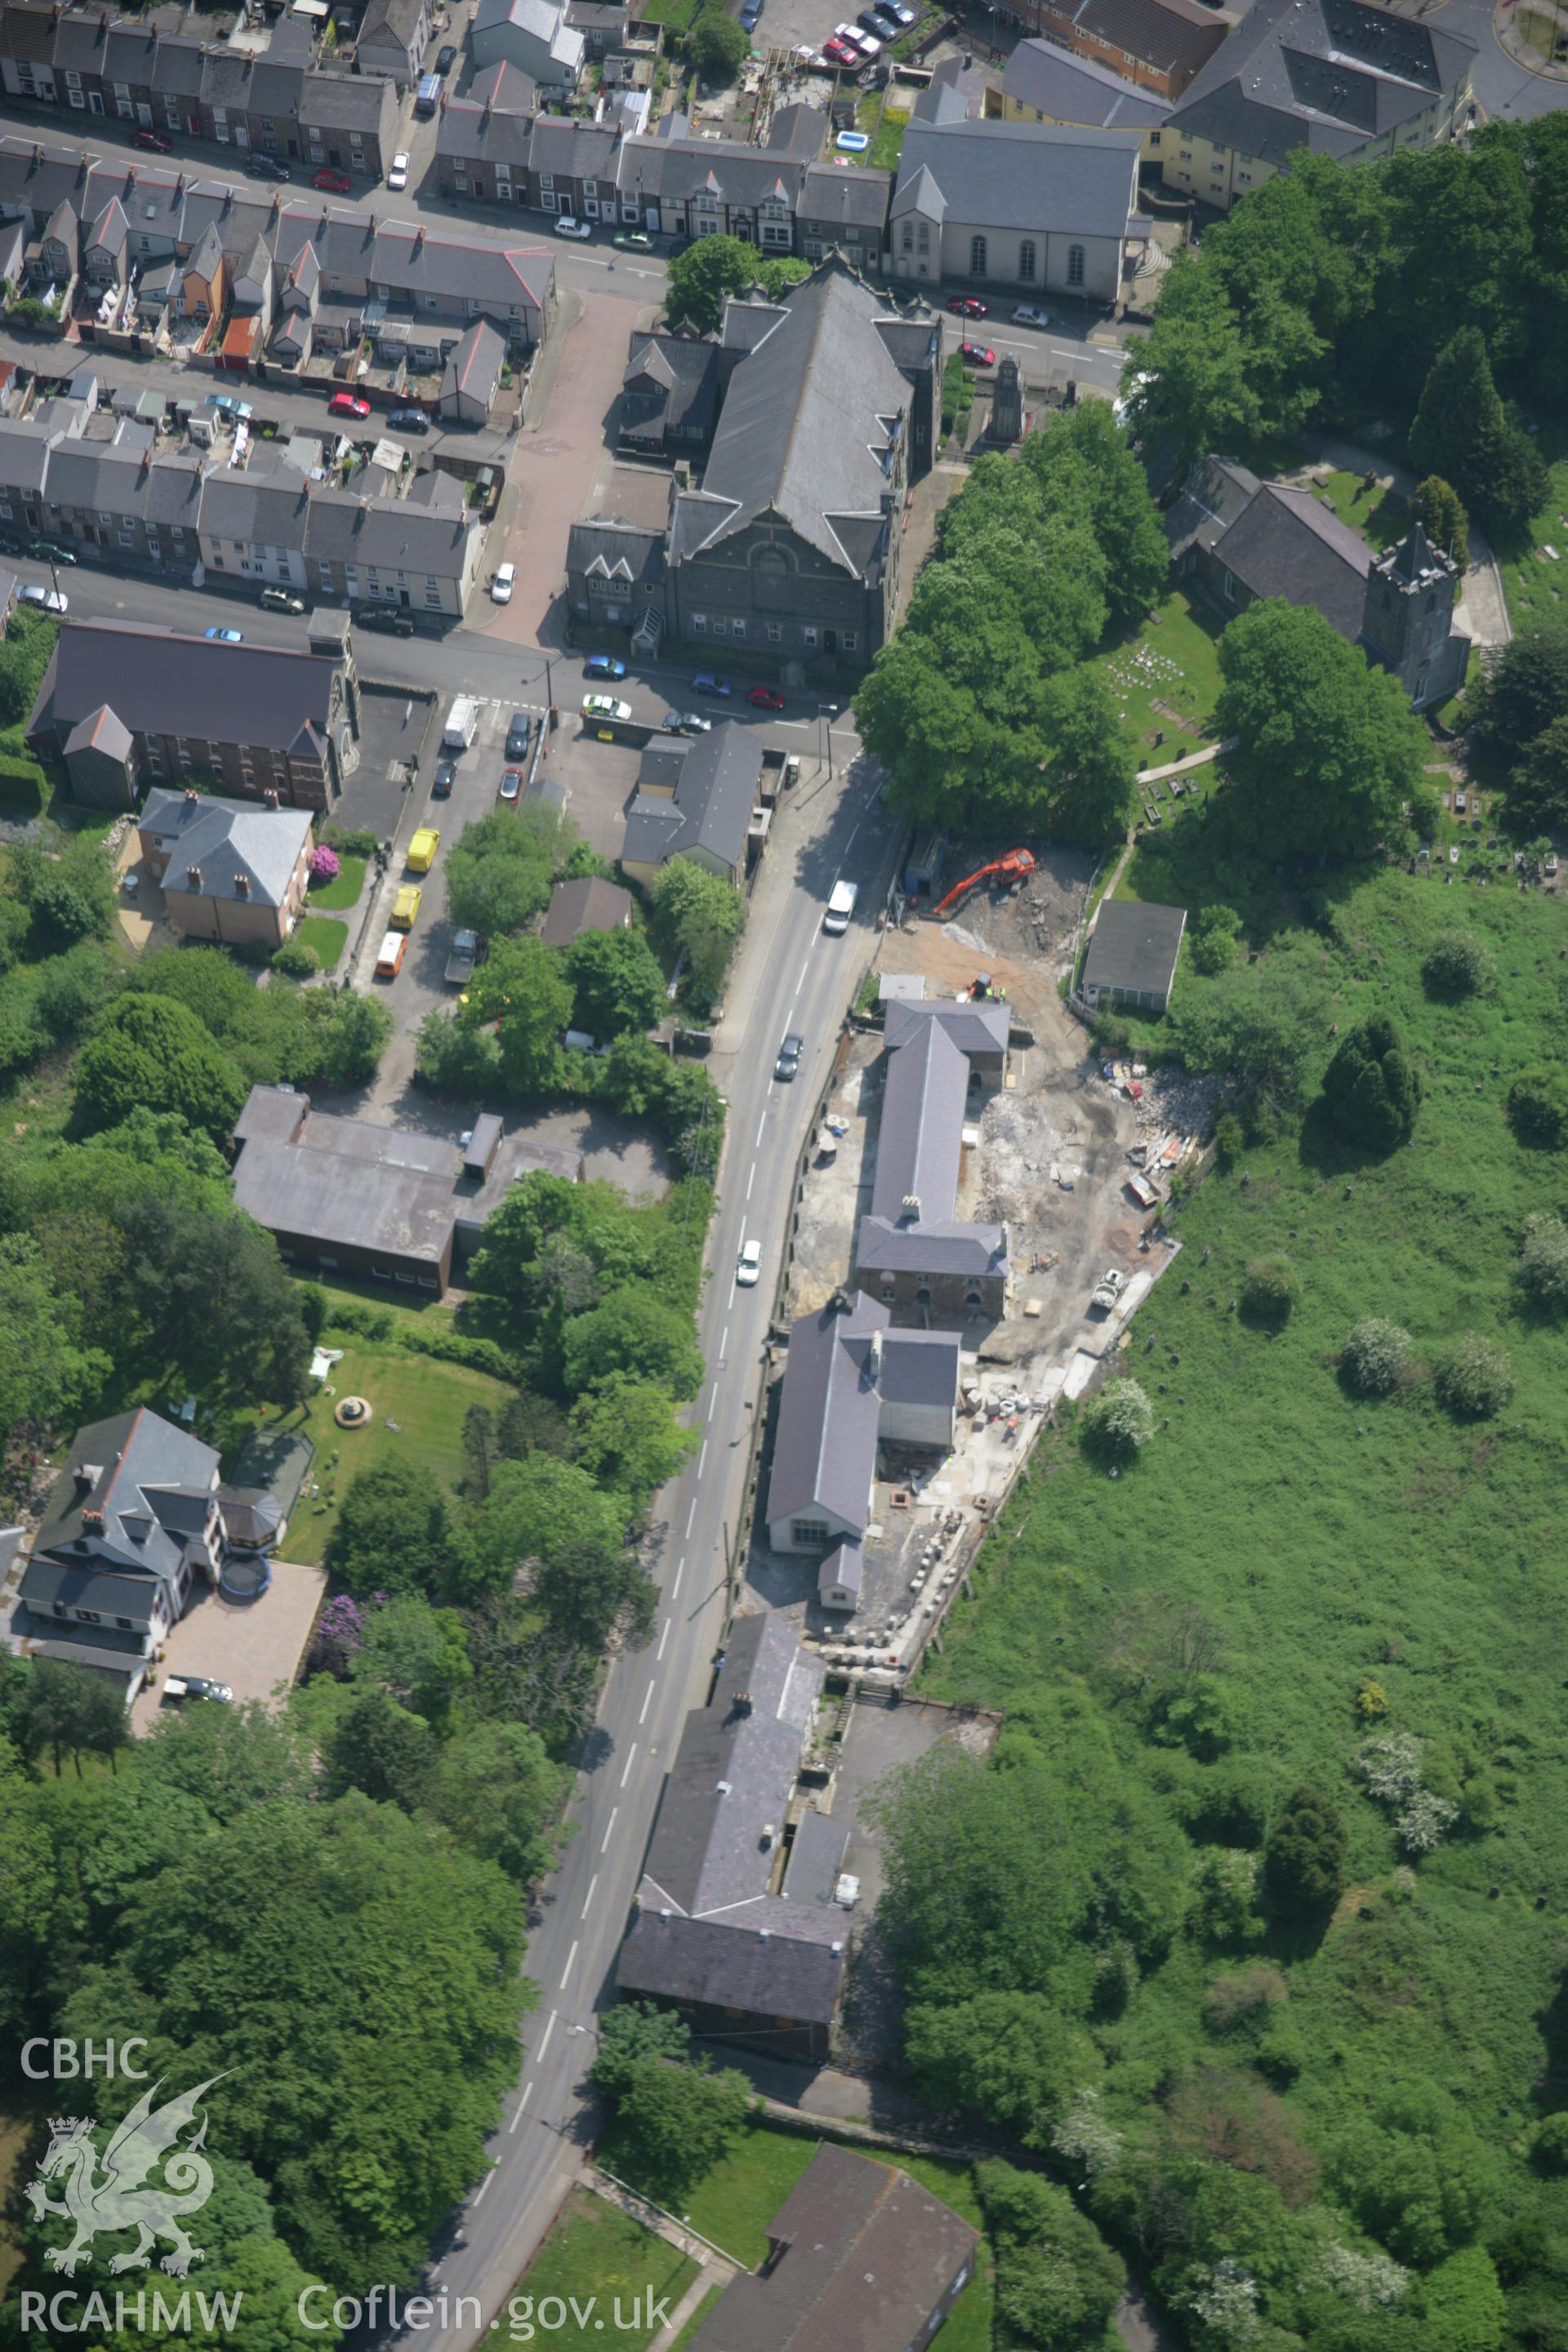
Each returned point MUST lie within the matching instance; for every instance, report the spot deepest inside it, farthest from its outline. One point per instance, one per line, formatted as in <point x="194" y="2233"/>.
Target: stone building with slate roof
<point x="231" y="871"/>
<point x="694" y="798"/>
<point x="1040" y="208"/>
<point x="1157" y="45"/>
<point x="1045" y="83"/>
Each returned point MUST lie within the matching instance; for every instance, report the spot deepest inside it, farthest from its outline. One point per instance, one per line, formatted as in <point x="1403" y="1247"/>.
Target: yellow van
<point x="422" y="849"/>
<point x="405" y="906"/>
<point x="389" y="960"/>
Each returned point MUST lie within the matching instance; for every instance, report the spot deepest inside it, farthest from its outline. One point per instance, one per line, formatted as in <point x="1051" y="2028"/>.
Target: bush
<point x="718" y="45"/>
<point x="1373" y="1356"/>
<point x="1270" y="1292"/>
<point x="1475" y="1379"/>
<point x="1543" y="1264"/>
<point x="1231" y="2001"/>
<point x="324" y="863"/>
<point x="349" y="843"/>
<point x="295" y="960"/>
<point x="1549" y="2149"/>
<point x="1304" y="1858"/>
<point x="1212" y="942"/>
<point x="1229" y="1135"/>
<point x="1538" y="1106"/>
<point x="1371" y="1089"/>
<point x="1120" y="1419"/>
<point x="362" y="1315"/>
<point x="455" y="1348"/>
<point x="1454" y="966"/>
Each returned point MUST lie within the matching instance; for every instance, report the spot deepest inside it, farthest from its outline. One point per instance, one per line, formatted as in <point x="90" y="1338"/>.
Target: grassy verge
<point x="1536" y="587"/>
<point x="325" y="934"/>
<point x="697" y="2320"/>
<point x="1165" y="679"/>
<point x="598" y="2255"/>
<point x="334" y="897"/>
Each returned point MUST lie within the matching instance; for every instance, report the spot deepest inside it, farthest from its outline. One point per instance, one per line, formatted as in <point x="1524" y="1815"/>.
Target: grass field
<point x="1307" y="1539"/>
<point x="1171" y="660"/>
<point x="597" y="2253"/>
<point x="1536" y="587"/>
<point x="424" y="1399"/>
<point x="336" y="898"/>
<point x="325" y="934"/>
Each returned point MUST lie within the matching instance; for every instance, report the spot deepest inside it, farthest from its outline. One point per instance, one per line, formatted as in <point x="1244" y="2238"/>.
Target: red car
<point x="842" y="54"/>
<point x="976" y="355"/>
<point x="332" y="183"/>
<point x="349" y="403"/>
<point x="153" y="142"/>
<point x="969" y="306"/>
<point x="764" y="697"/>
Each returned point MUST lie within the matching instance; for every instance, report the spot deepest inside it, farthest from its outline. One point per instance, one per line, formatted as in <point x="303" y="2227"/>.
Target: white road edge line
<point x="570" y="1958"/>
<point x="646" y="1696"/>
<point x="626" y="1773"/>
<point x="610" y="1825"/>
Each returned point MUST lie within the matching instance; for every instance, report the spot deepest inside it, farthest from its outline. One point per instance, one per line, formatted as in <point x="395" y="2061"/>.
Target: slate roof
<point x="1134" y="945"/>
<point x="688" y="373"/>
<point x="474" y="368"/>
<point x="158" y="682"/>
<point x="590" y="905"/>
<point x="715" y="792"/>
<point x="574" y="151"/>
<point x="1326" y="75"/>
<point x="391" y="24"/>
<point x="1215" y="492"/>
<point x="807" y="429"/>
<point x="815" y="1857"/>
<point x="1046" y="176"/>
<point x="975" y="1028"/>
<point x="101" y="731"/>
<point x="153" y="1485"/>
<point x="852" y="198"/>
<point x="864" y="2255"/>
<point x="1166" y="35"/>
<point x="1048" y="78"/>
<point x="230" y="840"/>
<point x="919" y="1144"/>
<point x="471" y="134"/>
<point x="825" y="1448"/>
<point x="1283" y="544"/>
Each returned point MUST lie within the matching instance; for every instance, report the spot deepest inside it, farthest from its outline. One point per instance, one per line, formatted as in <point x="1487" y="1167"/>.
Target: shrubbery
<point x="1304" y="1858"/>
<point x="1543" y="1264"/>
<point x="1270" y="1292"/>
<point x="1475" y="1379"/>
<point x="1374" y="1356"/>
<point x="1455" y="966"/>
<point x="1118" y="1421"/>
<point x="1371" y="1089"/>
<point x="1538" y="1106"/>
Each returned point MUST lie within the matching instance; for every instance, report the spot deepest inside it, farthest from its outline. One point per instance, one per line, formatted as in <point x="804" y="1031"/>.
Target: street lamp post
<point x="828" y="711"/>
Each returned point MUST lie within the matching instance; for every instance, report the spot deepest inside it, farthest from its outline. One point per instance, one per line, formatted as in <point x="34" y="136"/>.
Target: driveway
<point x="255" y="1646"/>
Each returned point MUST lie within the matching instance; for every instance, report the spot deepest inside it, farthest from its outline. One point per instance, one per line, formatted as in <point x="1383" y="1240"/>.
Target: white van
<point x="462" y="724"/>
<point x="840" y="907"/>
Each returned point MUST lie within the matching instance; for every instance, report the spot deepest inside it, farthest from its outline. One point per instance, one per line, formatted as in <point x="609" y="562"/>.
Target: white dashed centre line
<point x="609" y="1826"/>
<point x="626" y="1772"/>
<point x="593" y="1887"/>
<point x="570" y="1958"/>
<point x="647" y="1695"/>
<point x="517" y="2111"/>
<point x="483" y="2190"/>
<point x="675" y="1588"/>
<point x="544" y="2038"/>
<point x="663" y="1638"/>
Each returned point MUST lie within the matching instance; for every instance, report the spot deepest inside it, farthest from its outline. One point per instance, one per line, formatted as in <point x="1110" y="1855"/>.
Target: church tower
<point x="1407" y="618"/>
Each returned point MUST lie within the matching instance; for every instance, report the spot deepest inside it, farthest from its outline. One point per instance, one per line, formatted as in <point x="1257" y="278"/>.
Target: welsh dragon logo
<point x="115" y="2199"/>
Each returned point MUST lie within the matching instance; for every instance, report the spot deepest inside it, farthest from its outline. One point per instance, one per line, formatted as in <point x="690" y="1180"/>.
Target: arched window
<point x="1075" y="264"/>
<point x="978" y="256"/>
<point x="1026" y="261"/>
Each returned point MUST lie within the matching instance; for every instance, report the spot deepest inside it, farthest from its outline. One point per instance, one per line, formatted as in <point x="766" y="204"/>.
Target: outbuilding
<point x="1132" y="951"/>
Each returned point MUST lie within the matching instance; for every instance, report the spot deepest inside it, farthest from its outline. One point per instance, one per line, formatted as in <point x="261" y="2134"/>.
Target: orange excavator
<point x="1011" y="868"/>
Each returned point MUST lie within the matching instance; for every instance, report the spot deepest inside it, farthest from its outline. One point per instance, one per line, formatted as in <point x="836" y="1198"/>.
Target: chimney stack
<point x="270" y="797"/>
<point x="242" y="885"/>
<point x="192" y="878"/>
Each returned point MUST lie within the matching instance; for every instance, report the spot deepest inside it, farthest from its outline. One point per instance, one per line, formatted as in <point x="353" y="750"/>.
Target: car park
<point x="280" y="600"/>
<point x="153" y="143"/>
<point x="47" y="600"/>
<point x="225" y="637"/>
<point x="706" y="682"/>
<point x="502" y="583"/>
<point x="764" y="697"/>
<point x="422" y="849"/>
<point x="605" y="706"/>
<point x="511" y="783"/>
<point x="977" y="355"/>
<point x="517" y="736"/>
<point x="748" y="1264"/>
<point x="968" y="306"/>
<point x="332" y="183"/>
<point x="686" y="723"/>
<point x="1029" y="314"/>
<point x="397" y="178"/>
<point x="182" y="1686"/>
<point x="446" y="776"/>
<point x="790" y="1051"/>
<point x="349" y="403"/>
<point x="405" y="906"/>
<point x="604" y="665"/>
<point x="567" y="226"/>
<point x="267" y="167"/>
<point x="409" y="420"/>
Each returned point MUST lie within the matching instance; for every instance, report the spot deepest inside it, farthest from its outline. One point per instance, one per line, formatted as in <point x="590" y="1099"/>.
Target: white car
<point x="858" y="39"/>
<point x="502" y="584"/>
<point x="1029" y="314"/>
<point x="398" y="177"/>
<point x="46" y="600"/>
<point x="567" y="226"/>
<point x="749" y="1267"/>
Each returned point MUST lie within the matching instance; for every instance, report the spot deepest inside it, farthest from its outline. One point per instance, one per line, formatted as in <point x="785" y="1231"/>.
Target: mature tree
<point x="635" y="2033"/>
<point x="1439" y="509"/>
<point x="673" y="2123"/>
<point x="498" y="870"/>
<point x="1117" y="1422"/>
<point x="212" y="1294"/>
<point x="1456" y="965"/>
<point x="229" y="1760"/>
<point x="403" y="1951"/>
<point x="1090" y="775"/>
<point x="454" y="1056"/>
<point x="418" y="1654"/>
<point x="497" y="1790"/>
<point x="1259" y="1023"/>
<point x="377" y="1746"/>
<point x="1475" y="1377"/>
<point x="335" y="1038"/>
<point x="1058" y="2282"/>
<point x="151" y="1053"/>
<point x="719" y="46"/>
<point x="70" y="1709"/>
<point x="1374" y="1357"/>
<point x="1326" y="754"/>
<point x="1522" y="690"/>
<point x="1463" y="2309"/>
<point x="693" y="913"/>
<point x="627" y="1437"/>
<point x="46" y="1372"/>
<point x="1123" y="516"/>
<point x="393" y="1533"/>
<point x="1538" y="1106"/>
<point x="617" y="985"/>
<point x="554" y="1248"/>
<point x="549" y="1518"/>
<point x="777" y="272"/>
<point x="1417" y="2175"/>
<point x="1372" y="1088"/>
<point x="632" y="1333"/>
<point x="1012" y="2057"/>
<point x="1537" y="785"/>
<point x="523" y="987"/>
<point x="701" y="279"/>
<point x="1304" y="1858"/>
<point x="1463" y="433"/>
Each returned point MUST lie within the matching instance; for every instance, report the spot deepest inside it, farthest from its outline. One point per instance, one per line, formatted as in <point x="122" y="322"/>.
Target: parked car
<point x="790" y="1051"/>
<point x="388" y="618"/>
<point x="866" y="43"/>
<point x="869" y="22"/>
<point x="706" y="682"/>
<point x="968" y="306"/>
<point x="748" y="1264"/>
<point x="405" y="906"/>
<point x="181" y="1686"/>
<point x="567" y="226"/>
<point x="1029" y="314"/>
<point x="511" y="783"/>
<point x="764" y="697"/>
<point x="461" y="961"/>
<point x="750" y="15"/>
<point x="633" y="240"/>
<point x="154" y="143"/>
<point x="896" y="14"/>
<point x="604" y="665"/>
<point x="267" y="167"/>
<point x="502" y="583"/>
<point x="225" y="637"/>
<point x="280" y="600"/>
<point x="397" y="178"/>
<point x="605" y="706"/>
<point x="331" y="181"/>
<point x="51" y="547"/>
<point x="517" y="736"/>
<point x="446" y="776"/>
<point x="47" y="600"/>
<point x="409" y="420"/>
<point x="686" y="723"/>
<point x="447" y="59"/>
<point x="977" y="355"/>
<point x="349" y="403"/>
<point x="840" y="53"/>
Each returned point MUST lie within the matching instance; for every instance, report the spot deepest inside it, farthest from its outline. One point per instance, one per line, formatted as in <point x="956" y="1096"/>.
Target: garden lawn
<point x="325" y="934"/>
<point x="1302" y="1540"/>
<point x="1172" y="661"/>
<point x="425" y="1399"/>
<point x="335" y="898"/>
<point x="1380" y="517"/>
<point x="597" y="2253"/>
<point x="1536" y="588"/>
